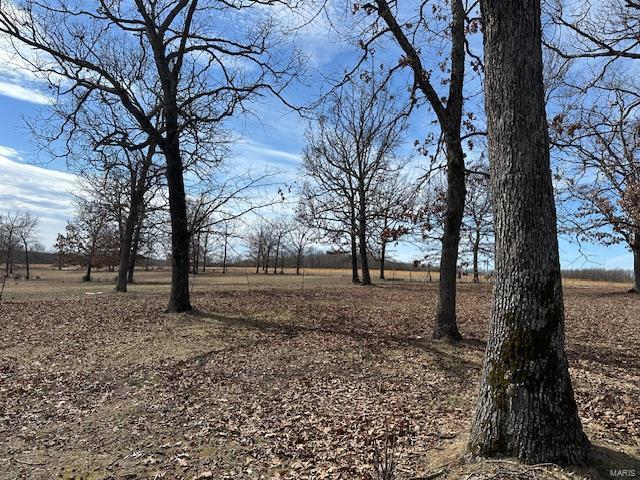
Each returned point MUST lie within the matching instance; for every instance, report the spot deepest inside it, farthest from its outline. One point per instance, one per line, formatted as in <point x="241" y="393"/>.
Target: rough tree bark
<point x="526" y="408"/>
<point x="446" y="327"/>
<point x="179" y="297"/>
<point x="636" y="265"/>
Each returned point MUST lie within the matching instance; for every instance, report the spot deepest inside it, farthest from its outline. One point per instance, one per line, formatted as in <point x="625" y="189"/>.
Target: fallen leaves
<point x="273" y="384"/>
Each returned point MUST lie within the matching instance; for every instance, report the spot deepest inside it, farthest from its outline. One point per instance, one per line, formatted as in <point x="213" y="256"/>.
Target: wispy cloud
<point x="18" y="79"/>
<point x="26" y="94"/>
<point x="255" y="152"/>
<point x="44" y="192"/>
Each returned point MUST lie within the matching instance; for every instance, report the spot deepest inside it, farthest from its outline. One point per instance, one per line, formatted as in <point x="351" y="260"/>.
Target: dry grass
<point x="49" y="282"/>
<point x="276" y="379"/>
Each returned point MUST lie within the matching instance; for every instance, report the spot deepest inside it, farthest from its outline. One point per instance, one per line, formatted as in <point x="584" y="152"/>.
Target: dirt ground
<point x="273" y="378"/>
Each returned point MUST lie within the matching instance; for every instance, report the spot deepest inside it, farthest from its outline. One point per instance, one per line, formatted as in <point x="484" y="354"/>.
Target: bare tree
<point x="478" y="222"/>
<point x="407" y="30"/>
<point x="166" y="69"/>
<point x="27" y="225"/>
<point x="350" y="152"/>
<point x="9" y="236"/>
<point x="330" y="210"/>
<point x="394" y="204"/>
<point x="125" y="183"/>
<point x="300" y="237"/>
<point x="259" y="242"/>
<point x="526" y="407"/>
<point x="89" y="239"/>
<point x="598" y="138"/>
<point x="606" y="30"/>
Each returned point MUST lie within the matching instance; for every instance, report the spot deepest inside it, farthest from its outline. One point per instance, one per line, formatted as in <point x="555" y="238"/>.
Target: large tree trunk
<point x="636" y="266"/>
<point x="446" y="327"/>
<point x="354" y="258"/>
<point x="125" y="249"/>
<point x="476" y="250"/>
<point x="526" y="408"/>
<point x="362" y="234"/>
<point x="354" y="245"/>
<point x="179" y="297"/>
<point x="134" y="252"/>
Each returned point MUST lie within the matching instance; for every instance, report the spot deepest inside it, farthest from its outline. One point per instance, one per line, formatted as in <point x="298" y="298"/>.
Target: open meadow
<point x="279" y="377"/>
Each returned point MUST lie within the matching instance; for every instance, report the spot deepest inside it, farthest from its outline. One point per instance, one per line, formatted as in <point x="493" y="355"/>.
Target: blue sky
<point x="272" y="137"/>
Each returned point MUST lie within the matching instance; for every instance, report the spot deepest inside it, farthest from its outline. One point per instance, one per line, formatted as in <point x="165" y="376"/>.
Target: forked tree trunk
<point x="446" y="327"/>
<point x="133" y="224"/>
<point x="526" y="408"/>
<point x="179" y="297"/>
<point x="125" y="250"/>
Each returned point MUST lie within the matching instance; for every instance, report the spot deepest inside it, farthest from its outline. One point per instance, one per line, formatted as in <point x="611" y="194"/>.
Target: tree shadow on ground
<point x="447" y="357"/>
<point x="606" y="462"/>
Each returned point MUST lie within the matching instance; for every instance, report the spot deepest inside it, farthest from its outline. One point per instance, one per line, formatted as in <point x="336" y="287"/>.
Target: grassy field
<point x="50" y="282"/>
<point x="279" y="376"/>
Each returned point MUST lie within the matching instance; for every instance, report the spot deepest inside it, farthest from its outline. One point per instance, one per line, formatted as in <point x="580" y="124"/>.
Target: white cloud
<point x="44" y="192"/>
<point x="18" y="79"/>
<point x="19" y="92"/>
<point x="623" y="261"/>
<point x="256" y="151"/>
<point x="9" y="152"/>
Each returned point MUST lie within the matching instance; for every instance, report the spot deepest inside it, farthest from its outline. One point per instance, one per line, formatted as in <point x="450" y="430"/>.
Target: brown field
<point x="279" y="377"/>
<point x="50" y="282"/>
